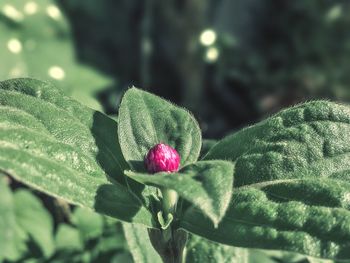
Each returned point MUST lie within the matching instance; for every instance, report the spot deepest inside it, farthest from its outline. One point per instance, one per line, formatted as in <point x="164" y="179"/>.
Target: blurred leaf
<point x="140" y="245"/>
<point x="89" y="224"/>
<point x="68" y="238"/>
<point x="33" y="218"/>
<point x="36" y="41"/>
<point x="12" y="237"/>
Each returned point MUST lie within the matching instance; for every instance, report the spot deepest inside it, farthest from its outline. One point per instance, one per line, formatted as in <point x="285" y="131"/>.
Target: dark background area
<point x="231" y="63"/>
<point x="272" y="54"/>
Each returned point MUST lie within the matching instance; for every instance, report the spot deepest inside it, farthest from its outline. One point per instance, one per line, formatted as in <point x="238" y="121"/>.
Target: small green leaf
<point x="68" y="238"/>
<point x="146" y="120"/>
<point x="58" y="146"/>
<point x="164" y="223"/>
<point x="33" y="218"/>
<point x="90" y="224"/>
<point x="199" y="250"/>
<point x="206" y="184"/>
<point x="12" y="237"/>
<point x="140" y="245"/>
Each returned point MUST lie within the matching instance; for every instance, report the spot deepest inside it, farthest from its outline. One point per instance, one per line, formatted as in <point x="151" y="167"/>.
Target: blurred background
<point x="231" y="62"/>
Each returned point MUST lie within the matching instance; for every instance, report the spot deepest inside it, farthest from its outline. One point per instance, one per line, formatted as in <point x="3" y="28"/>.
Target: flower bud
<point x="162" y="158"/>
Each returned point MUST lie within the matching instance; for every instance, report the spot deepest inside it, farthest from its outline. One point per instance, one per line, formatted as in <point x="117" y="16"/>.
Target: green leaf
<point x="140" y="245"/>
<point x="146" y="120"/>
<point x="202" y="250"/>
<point x="68" y="238"/>
<point x="33" y="218"/>
<point x="207" y="144"/>
<point x="310" y="140"/>
<point x="58" y="146"/>
<point x="12" y="237"/>
<point x="291" y="184"/>
<point x="90" y="224"/>
<point x="308" y="216"/>
<point x="206" y="184"/>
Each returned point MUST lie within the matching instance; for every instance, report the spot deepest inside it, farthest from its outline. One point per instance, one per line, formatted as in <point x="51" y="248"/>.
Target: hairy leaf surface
<point x="146" y="120"/>
<point x="291" y="189"/>
<point x="206" y="184"/>
<point x="54" y="144"/>
<point x="200" y="250"/>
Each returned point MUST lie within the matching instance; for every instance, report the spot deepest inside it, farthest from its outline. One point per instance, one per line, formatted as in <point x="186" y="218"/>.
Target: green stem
<point x="169" y="242"/>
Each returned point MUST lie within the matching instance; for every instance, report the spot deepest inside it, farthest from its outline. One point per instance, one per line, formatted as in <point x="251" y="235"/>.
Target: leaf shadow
<point x="117" y="202"/>
<point x="109" y="155"/>
<point x="122" y="191"/>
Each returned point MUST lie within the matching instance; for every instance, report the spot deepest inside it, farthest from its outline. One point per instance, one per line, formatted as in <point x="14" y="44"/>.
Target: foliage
<point x="281" y="184"/>
<point x="29" y="232"/>
<point x="36" y="41"/>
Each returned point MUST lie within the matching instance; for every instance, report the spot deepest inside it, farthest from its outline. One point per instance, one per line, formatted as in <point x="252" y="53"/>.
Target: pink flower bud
<point x="162" y="158"/>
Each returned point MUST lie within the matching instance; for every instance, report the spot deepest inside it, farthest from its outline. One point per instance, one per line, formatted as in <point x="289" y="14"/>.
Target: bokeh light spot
<point x="56" y="72"/>
<point x="208" y="37"/>
<point x="11" y="12"/>
<point x="53" y="12"/>
<point x="14" y="45"/>
<point x="212" y="54"/>
<point x="31" y="8"/>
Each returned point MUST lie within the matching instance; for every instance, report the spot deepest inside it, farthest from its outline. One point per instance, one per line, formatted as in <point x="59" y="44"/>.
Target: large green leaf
<point x="33" y="218"/>
<point x="54" y="144"/>
<point x="291" y="183"/>
<point x="146" y="120"/>
<point x="140" y="244"/>
<point x="310" y="140"/>
<point x="200" y="250"/>
<point x="206" y="184"/>
<point x="306" y="216"/>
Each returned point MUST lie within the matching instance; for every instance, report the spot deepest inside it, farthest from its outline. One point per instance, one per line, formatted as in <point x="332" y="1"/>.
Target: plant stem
<point x="169" y="242"/>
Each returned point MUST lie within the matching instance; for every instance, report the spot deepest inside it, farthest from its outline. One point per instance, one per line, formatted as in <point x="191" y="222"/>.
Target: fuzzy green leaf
<point x="292" y="185"/>
<point x="205" y="184"/>
<point x="305" y="216"/>
<point x="56" y="145"/>
<point x="200" y="250"/>
<point x="146" y="120"/>
<point x="310" y="140"/>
